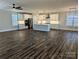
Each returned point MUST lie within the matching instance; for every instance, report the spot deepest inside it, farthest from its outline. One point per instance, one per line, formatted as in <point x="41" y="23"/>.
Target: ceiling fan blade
<point x="20" y="8"/>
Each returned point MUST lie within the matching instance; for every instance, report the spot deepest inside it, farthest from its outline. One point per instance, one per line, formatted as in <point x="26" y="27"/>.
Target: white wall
<point x="6" y="21"/>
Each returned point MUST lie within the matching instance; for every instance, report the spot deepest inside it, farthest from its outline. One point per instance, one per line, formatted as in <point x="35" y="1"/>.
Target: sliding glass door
<point x="18" y="20"/>
<point x="72" y="19"/>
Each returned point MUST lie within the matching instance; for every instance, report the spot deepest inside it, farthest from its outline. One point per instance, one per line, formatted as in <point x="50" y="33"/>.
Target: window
<point x="54" y="19"/>
<point x="20" y="16"/>
<point x="72" y="19"/>
<point x="14" y="19"/>
<point x="76" y="21"/>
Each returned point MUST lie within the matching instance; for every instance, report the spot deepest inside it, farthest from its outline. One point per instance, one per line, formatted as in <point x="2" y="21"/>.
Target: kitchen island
<point x="41" y="27"/>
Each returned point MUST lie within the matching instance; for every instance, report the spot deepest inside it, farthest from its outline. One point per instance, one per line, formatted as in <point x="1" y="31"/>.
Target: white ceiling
<point x="38" y="4"/>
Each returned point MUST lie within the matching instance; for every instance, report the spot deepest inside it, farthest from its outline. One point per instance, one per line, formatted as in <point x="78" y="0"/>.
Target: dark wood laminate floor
<point x="28" y="44"/>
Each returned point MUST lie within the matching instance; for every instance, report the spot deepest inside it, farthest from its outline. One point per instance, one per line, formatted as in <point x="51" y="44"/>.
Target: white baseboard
<point x="66" y="29"/>
<point x="7" y="30"/>
<point x="11" y="29"/>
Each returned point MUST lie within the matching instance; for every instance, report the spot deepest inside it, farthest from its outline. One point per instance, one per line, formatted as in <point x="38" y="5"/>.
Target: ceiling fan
<point x="13" y="6"/>
<point x="18" y="7"/>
